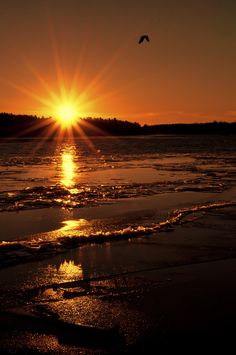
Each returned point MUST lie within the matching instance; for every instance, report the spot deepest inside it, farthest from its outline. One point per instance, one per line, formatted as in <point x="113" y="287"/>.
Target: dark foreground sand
<point x="185" y="302"/>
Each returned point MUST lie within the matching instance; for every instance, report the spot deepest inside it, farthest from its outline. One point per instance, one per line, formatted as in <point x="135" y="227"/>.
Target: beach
<point x="117" y="177"/>
<point x="168" y="291"/>
<point x="152" y="266"/>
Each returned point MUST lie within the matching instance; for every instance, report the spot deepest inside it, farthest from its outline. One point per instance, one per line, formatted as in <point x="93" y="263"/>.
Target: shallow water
<point x="69" y="176"/>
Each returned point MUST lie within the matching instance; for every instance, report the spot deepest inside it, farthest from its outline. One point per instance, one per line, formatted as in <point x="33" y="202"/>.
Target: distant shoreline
<point x="17" y="126"/>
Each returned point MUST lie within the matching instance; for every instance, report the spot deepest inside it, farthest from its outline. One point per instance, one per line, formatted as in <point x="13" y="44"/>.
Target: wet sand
<point x="174" y="291"/>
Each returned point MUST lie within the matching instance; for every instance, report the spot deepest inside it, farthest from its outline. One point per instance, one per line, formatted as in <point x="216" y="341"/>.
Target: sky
<point x="87" y="52"/>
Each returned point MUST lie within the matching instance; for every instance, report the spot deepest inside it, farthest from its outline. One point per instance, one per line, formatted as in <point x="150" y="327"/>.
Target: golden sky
<point x="87" y="51"/>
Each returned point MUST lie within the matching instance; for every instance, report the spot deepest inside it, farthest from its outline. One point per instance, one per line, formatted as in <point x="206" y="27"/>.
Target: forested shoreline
<point x="12" y="125"/>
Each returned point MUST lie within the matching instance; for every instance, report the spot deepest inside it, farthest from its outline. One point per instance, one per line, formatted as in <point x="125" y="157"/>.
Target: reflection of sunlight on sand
<point x="69" y="271"/>
<point x="66" y="271"/>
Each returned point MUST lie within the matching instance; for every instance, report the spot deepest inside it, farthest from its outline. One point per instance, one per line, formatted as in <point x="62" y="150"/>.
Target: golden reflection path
<point x="73" y="225"/>
<point x="68" y="167"/>
<point x="68" y="269"/>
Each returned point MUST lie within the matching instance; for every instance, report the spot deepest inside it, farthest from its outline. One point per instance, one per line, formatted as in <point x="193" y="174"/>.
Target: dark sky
<point x="87" y="52"/>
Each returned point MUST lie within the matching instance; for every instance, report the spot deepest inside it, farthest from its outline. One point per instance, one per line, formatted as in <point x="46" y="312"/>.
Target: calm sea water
<point x="56" y="179"/>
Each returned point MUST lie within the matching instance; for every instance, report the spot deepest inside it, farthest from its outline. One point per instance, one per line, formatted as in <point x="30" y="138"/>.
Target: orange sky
<point x="87" y="50"/>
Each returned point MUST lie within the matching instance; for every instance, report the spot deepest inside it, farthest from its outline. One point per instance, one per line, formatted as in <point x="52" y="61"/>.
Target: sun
<point x="67" y="114"/>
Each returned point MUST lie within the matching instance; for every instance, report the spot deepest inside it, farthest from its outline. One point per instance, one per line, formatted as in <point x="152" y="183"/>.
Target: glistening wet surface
<point x="81" y="222"/>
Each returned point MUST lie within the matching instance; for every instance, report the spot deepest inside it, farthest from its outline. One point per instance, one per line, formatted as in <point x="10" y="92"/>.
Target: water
<point x="79" y="182"/>
<point x="36" y="174"/>
<point x="82" y="220"/>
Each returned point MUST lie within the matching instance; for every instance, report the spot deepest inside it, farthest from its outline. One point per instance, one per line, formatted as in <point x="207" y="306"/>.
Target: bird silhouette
<point x="142" y="38"/>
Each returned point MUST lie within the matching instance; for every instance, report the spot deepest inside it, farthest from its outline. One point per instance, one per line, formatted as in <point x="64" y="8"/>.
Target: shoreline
<point x="171" y="309"/>
<point x="49" y="219"/>
<point x="56" y="231"/>
<point x="169" y="290"/>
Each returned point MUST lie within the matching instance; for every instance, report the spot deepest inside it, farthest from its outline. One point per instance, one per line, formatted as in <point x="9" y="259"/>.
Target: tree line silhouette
<point x="12" y="125"/>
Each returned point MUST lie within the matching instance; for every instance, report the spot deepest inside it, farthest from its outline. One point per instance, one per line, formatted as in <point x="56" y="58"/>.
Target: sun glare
<point x="67" y="114"/>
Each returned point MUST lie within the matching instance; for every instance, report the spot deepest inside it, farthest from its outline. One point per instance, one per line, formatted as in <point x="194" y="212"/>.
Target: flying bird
<point x="142" y="38"/>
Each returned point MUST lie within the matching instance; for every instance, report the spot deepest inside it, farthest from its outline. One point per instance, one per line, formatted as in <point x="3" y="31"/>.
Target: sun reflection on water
<point x="73" y="225"/>
<point x="68" y="170"/>
<point x="68" y="167"/>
